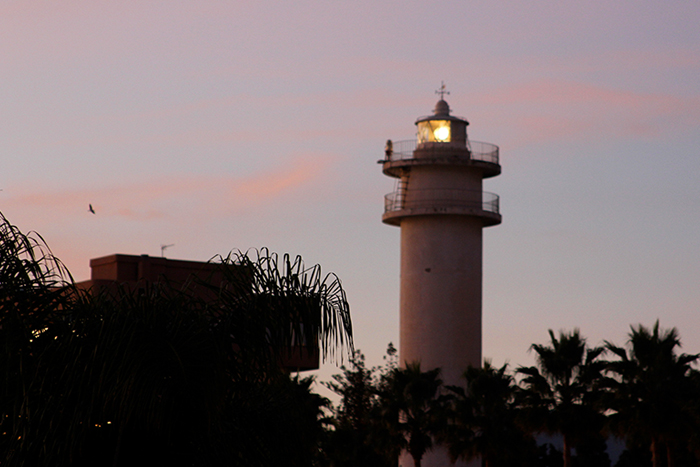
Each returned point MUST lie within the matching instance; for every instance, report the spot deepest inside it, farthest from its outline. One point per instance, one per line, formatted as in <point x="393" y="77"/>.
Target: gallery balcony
<point x="408" y="153"/>
<point x="429" y="202"/>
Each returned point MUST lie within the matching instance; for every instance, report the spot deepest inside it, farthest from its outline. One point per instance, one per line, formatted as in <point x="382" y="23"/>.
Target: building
<point x="136" y="272"/>
<point x="441" y="209"/>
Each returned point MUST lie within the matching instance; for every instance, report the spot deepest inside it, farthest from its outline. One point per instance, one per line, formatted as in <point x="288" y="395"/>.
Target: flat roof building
<point x="137" y="271"/>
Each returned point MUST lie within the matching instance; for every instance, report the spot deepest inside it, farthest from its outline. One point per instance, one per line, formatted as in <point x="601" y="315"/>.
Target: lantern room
<point x="441" y="128"/>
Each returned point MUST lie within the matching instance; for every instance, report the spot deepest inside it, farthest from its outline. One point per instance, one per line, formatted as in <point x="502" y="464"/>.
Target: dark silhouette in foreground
<point x="162" y="375"/>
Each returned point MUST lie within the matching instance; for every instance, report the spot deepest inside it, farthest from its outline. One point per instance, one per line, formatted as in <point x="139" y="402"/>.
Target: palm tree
<point x="282" y="423"/>
<point x="484" y="418"/>
<point x="561" y="391"/>
<point x="650" y="389"/>
<point x="281" y="302"/>
<point x="32" y="284"/>
<point x="413" y="408"/>
<point x="694" y="409"/>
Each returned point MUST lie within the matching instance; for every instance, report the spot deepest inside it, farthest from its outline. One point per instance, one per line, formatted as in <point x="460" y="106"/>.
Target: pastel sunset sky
<point x="217" y="125"/>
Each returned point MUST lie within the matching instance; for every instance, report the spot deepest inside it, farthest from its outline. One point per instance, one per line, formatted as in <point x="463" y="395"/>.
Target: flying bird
<point x="90" y="209"/>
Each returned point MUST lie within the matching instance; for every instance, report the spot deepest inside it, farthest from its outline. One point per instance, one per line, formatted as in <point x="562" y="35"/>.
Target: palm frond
<point x="289" y="305"/>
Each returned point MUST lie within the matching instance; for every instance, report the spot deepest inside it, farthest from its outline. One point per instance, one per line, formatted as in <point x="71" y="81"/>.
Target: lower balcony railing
<point x="441" y="198"/>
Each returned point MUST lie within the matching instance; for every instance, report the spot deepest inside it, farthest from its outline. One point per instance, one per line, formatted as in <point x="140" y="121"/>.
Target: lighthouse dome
<point x="441" y="108"/>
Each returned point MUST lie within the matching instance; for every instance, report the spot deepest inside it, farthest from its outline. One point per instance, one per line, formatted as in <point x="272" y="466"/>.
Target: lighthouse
<point x="441" y="208"/>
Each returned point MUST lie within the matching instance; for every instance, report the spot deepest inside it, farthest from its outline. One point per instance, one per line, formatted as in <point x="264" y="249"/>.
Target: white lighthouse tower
<point x="441" y="209"/>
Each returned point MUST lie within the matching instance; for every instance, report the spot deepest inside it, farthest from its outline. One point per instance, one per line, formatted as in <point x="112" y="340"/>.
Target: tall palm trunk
<point x="567" y="451"/>
<point x="655" y="454"/>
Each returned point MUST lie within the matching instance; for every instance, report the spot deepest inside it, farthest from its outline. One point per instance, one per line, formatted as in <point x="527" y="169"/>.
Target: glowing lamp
<point x="442" y="133"/>
<point x="432" y="131"/>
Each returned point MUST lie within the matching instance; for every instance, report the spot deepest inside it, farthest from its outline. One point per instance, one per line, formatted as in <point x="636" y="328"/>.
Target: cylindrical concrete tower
<point x="441" y="209"/>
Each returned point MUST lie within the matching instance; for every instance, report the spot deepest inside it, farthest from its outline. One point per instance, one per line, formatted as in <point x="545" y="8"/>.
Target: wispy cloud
<point x="550" y="110"/>
<point x="161" y="198"/>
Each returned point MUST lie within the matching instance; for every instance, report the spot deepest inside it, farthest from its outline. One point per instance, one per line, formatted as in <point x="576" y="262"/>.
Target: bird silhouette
<point x="90" y="209"/>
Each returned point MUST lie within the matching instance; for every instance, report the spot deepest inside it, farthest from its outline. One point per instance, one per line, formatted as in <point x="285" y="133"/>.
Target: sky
<point x="218" y="125"/>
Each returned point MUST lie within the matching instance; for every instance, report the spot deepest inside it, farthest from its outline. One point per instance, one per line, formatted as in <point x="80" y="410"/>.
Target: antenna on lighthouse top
<point x="442" y="90"/>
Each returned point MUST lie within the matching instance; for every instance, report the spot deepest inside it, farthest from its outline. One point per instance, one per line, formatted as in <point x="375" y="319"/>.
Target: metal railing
<point x="478" y="150"/>
<point x="441" y="198"/>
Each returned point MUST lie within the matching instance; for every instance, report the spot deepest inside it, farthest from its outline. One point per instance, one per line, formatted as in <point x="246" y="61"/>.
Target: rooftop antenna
<point x="163" y="248"/>
<point x="442" y="91"/>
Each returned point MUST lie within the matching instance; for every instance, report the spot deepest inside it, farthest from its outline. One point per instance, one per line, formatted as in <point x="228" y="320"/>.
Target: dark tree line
<point x="646" y="394"/>
<point x="186" y="375"/>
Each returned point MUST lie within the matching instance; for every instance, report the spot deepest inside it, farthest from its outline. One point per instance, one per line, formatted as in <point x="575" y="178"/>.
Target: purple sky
<point x="218" y="125"/>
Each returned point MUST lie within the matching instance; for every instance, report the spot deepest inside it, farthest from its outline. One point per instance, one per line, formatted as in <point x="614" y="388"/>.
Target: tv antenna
<point x="163" y="248"/>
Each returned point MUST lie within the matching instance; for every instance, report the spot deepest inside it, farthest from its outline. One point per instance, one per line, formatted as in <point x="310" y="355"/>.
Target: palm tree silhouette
<point x="561" y="391"/>
<point x="650" y="391"/>
<point x="413" y="408"/>
<point x="484" y="418"/>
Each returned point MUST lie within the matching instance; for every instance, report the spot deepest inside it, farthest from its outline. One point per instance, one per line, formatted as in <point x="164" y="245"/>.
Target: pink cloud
<point x="266" y="186"/>
<point x="159" y="199"/>
<point x="550" y="110"/>
<point x="134" y="216"/>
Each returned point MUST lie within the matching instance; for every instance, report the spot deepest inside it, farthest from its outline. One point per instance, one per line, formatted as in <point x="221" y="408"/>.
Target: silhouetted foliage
<point x="548" y="456"/>
<point x="184" y="376"/>
<point x="412" y="408"/>
<point x="591" y="451"/>
<point x="191" y="376"/>
<point x="634" y="456"/>
<point x="484" y="420"/>
<point x="561" y="393"/>
<point x="651" y="391"/>
<point x="358" y="437"/>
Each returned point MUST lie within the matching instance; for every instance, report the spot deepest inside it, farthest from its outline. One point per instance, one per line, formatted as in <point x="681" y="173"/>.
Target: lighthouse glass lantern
<point x="434" y="131"/>
<point x="441" y="128"/>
